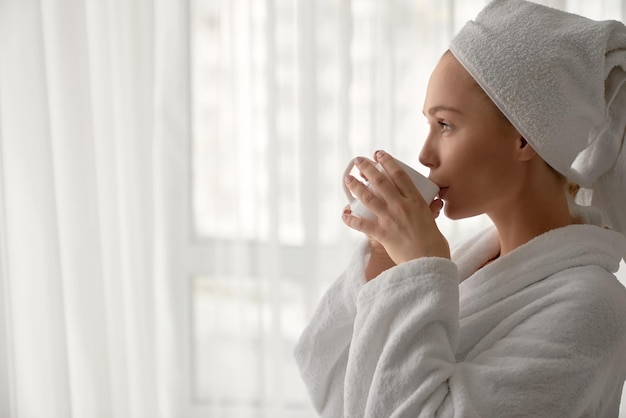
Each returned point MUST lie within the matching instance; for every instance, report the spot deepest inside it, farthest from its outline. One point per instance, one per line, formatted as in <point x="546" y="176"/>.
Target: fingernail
<point x="348" y="179"/>
<point x="344" y="216"/>
<point x="380" y="154"/>
<point x="358" y="160"/>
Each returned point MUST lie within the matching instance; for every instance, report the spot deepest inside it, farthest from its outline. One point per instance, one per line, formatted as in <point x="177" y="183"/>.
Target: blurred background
<point x="170" y="189"/>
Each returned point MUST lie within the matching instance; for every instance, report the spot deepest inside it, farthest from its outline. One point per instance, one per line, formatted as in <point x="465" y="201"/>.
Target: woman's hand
<point x="405" y="225"/>
<point x="379" y="260"/>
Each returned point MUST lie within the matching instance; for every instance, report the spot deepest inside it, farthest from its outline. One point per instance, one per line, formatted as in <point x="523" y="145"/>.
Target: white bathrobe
<point x="540" y="332"/>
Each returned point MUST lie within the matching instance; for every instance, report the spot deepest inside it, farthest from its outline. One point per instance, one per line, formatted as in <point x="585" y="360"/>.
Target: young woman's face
<point x="471" y="150"/>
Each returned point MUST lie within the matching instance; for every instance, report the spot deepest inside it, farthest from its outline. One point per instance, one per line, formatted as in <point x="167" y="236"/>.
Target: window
<point x="284" y="93"/>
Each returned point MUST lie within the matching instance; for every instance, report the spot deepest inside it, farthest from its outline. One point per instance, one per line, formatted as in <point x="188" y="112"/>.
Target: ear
<point x="525" y="151"/>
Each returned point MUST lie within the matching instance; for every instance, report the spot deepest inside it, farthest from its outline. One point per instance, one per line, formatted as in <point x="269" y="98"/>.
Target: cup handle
<point x="346" y="190"/>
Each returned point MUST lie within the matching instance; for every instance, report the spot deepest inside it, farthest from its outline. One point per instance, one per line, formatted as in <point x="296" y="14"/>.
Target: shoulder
<point x="589" y="305"/>
<point x="590" y="285"/>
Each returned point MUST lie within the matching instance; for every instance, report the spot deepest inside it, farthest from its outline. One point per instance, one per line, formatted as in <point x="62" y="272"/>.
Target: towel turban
<point x="560" y="79"/>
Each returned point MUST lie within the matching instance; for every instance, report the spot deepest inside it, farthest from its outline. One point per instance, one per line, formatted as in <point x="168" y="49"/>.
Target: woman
<point x="527" y="318"/>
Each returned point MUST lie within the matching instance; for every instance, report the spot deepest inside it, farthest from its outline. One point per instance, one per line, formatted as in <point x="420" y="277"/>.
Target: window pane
<point x="228" y="325"/>
<point x="246" y="156"/>
<point x="244" y="332"/>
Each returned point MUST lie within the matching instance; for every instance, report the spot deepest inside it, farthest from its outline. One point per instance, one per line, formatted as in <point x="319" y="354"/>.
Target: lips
<point x="442" y="189"/>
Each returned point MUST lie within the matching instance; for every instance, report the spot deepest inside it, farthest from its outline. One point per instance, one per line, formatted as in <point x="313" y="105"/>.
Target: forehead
<point x="450" y="84"/>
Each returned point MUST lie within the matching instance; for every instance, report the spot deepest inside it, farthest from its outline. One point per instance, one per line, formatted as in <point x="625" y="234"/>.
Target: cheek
<point x="483" y="161"/>
<point x="478" y="181"/>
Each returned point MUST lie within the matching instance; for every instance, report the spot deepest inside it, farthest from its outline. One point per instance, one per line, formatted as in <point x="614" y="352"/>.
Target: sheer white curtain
<point x="77" y="317"/>
<point x="170" y="189"/>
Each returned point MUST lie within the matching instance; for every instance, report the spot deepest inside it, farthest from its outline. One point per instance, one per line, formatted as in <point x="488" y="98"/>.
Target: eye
<point x="444" y="125"/>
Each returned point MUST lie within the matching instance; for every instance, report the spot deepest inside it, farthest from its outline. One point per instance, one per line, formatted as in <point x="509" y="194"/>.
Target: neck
<point x="533" y="211"/>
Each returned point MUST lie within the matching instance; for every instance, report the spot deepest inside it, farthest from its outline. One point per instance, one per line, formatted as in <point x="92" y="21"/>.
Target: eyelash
<point x="444" y="126"/>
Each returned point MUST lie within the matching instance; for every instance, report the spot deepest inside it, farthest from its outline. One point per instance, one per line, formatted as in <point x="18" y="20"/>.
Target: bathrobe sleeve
<point x="393" y="353"/>
<point x="322" y="350"/>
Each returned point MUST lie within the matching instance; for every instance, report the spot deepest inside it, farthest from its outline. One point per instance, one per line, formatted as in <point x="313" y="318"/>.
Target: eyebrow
<point x="436" y="109"/>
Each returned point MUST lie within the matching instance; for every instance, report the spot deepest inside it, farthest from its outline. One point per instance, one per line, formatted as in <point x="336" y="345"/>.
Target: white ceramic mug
<point x="427" y="188"/>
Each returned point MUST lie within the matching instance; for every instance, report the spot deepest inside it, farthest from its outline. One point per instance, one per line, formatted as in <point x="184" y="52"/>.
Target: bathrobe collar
<point x="547" y="254"/>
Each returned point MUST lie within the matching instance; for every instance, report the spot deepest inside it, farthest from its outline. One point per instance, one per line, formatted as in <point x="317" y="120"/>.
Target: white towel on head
<point x="560" y="79"/>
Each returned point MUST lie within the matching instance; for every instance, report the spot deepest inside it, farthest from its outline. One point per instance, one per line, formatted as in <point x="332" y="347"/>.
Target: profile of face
<point x="472" y="151"/>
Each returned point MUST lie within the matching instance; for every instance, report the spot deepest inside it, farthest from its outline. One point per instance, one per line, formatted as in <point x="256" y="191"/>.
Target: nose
<point x="428" y="154"/>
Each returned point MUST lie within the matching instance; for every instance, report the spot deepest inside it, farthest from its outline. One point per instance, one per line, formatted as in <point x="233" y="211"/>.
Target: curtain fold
<point x="33" y="285"/>
<point x="171" y="156"/>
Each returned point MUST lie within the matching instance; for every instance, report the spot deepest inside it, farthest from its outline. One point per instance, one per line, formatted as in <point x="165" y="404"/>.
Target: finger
<point x="398" y="176"/>
<point x="435" y="207"/>
<point x="365" y="195"/>
<point x="378" y="180"/>
<point x="363" y="225"/>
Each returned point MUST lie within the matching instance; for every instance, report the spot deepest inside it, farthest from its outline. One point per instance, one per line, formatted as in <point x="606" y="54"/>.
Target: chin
<point x="450" y="214"/>
<point x="457" y="213"/>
